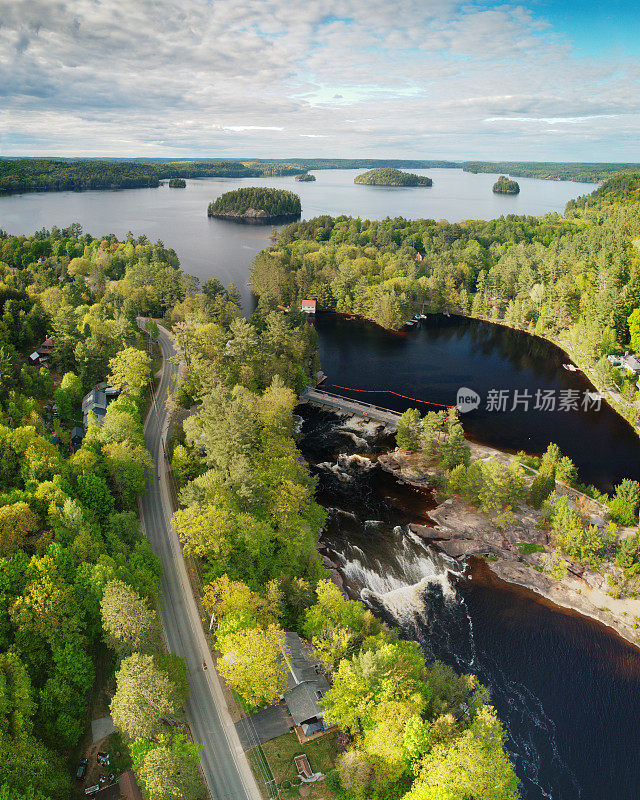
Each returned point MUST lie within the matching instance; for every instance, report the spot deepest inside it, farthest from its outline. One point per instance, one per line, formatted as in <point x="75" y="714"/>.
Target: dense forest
<point x="554" y="171"/>
<point x="574" y="278"/>
<point x="391" y="177"/>
<point x="305" y="177"/>
<point x="257" y="202"/>
<point x="49" y="175"/>
<point x="504" y="186"/>
<point x="177" y="183"/>
<point x="54" y="175"/>
<point x="73" y="564"/>
<point x="249" y="518"/>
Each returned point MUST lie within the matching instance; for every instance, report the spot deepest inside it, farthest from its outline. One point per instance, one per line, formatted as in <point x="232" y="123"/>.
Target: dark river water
<point x="432" y="360"/>
<point x="213" y="247"/>
<point x="567" y="689"/>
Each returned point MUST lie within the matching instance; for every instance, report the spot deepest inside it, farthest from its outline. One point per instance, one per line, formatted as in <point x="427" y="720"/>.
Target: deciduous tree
<point x="128" y="622"/>
<point x="145" y="698"/>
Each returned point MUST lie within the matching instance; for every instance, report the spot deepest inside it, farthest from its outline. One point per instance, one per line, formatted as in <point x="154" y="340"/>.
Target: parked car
<point x="82" y="769"/>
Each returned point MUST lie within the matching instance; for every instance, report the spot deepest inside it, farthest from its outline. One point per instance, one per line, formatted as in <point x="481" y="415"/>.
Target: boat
<point x="570" y="367"/>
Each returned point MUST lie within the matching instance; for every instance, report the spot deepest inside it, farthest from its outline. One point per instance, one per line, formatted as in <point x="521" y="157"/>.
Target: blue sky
<point x="595" y="28"/>
<point x="532" y="80"/>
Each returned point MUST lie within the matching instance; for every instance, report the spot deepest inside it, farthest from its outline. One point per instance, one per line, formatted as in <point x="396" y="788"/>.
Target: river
<point x="433" y="359"/>
<point x="567" y="689"/>
<point x="211" y="247"/>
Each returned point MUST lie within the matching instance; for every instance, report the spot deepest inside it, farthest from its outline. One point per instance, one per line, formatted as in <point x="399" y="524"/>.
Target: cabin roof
<point x="94" y="399"/>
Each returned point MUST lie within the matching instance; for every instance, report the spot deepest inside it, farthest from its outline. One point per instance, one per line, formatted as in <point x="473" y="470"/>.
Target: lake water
<point x="567" y="689"/>
<point x="218" y="248"/>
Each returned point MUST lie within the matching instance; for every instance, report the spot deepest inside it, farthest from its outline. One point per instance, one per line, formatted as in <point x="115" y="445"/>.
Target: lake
<point x="219" y="248"/>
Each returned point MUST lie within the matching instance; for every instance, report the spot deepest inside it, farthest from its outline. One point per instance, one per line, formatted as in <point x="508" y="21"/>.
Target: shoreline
<point x="464" y="534"/>
<point x="563" y="347"/>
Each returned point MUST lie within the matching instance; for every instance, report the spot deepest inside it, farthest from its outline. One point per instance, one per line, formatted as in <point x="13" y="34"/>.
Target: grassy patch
<point x="261" y="771"/>
<point x="527" y="548"/>
<point x="113" y="745"/>
<point x="279" y="753"/>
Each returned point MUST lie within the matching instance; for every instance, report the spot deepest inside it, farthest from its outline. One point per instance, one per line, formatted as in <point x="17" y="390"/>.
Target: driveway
<point x="264" y="725"/>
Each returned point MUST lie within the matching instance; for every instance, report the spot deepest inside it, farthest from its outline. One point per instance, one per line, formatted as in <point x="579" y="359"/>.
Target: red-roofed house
<point x="308" y="306"/>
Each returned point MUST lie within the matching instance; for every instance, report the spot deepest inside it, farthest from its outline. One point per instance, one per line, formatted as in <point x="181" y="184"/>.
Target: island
<point x="388" y="176"/>
<point x="305" y="177"/>
<point x="505" y="186"/>
<point x="177" y="183"/>
<point x="256" y="204"/>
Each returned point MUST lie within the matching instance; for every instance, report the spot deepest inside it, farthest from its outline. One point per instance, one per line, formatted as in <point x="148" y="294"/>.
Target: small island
<point x="305" y="177"/>
<point x="177" y="183"/>
<point x="256" y="204"/>
<point x="505" y="186"/>
<point x="387" y="176"/>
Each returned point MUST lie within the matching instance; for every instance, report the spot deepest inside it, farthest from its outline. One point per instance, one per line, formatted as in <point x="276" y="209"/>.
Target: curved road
<point x="224" y="764"/>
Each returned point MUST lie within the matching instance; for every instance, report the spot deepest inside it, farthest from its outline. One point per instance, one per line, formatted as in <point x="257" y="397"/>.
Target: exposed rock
<point x="336" y="578"/>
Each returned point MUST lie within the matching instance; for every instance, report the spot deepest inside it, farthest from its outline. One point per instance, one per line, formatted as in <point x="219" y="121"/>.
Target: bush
<point x="332" y="781"/>
<point x="624" y="505"/>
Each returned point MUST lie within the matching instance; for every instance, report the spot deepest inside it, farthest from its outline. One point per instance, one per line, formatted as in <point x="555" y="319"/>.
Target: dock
<point x="348" y="406"/>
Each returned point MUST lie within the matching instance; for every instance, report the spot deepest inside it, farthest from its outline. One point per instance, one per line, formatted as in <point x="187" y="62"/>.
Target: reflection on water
<point x="566" y="689"/>
<point x="433" y="360"/>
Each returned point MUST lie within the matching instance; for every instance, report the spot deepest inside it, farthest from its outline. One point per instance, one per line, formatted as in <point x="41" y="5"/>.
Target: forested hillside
<point x="73" y="563"/>
<point x="554" y="171"/>
<point x="391" y="177"/>
<point x="49" y="175"/>
<point x="576" y="276"/>
<point x="272" y="202"/>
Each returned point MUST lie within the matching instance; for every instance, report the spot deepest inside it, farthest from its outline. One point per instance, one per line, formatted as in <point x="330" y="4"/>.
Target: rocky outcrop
<point x="254" y="215"/>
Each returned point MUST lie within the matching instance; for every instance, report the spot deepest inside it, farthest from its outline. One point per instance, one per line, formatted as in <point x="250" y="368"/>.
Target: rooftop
<point x="306" y="683"/>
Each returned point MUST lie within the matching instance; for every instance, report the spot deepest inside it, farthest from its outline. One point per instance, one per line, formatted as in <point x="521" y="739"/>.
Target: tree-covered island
<point x="505" y="186"/>
<point x="305" y="177"/>
<point x="388" y="176"/>
<point x="177" y="183"/>
<point x="256" y="204"/>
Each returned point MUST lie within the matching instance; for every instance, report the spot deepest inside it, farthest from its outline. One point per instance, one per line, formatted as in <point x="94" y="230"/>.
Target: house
<point x="126" y="788"/>
<point x="631" y="362"/>
<point x="96" y="401"/>
<point x="76" y="436"/>
<point x="34" y="358"/>
<point x="305" y="687"/>
<point x="46" y="348"/>
<point x="308" y="306"/>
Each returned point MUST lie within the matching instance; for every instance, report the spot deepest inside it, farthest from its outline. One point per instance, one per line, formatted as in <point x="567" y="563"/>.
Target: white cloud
<point x="414" y="78"/>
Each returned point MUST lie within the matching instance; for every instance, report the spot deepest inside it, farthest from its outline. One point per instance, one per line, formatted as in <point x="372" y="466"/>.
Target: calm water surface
<point x="212" y="247"/>
<point x="432" y="360"/>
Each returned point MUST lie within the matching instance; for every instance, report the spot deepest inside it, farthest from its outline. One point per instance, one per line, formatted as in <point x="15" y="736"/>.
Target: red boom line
<point x="389" y="391"/>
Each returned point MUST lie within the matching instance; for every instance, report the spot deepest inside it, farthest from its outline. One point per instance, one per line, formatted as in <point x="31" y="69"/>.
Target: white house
<point x="308" y="306"/>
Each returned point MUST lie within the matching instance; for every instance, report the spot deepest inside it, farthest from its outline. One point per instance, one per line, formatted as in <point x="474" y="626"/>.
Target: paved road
<point x="224" y="764"/>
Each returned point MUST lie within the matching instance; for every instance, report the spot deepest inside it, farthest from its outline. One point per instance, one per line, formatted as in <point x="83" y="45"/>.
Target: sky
<point x="435" y="79"/>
